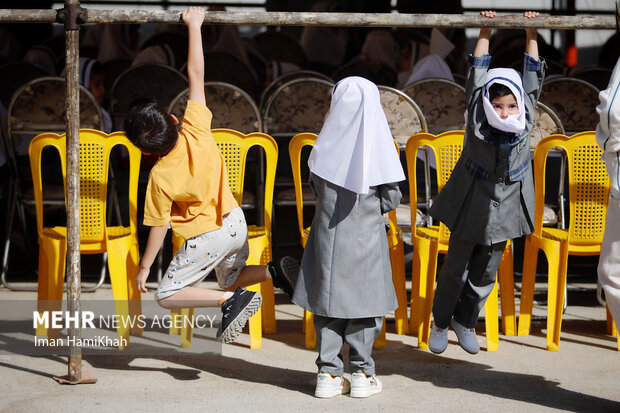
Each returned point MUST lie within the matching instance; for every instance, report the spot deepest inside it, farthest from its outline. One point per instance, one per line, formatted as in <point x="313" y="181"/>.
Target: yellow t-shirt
<point x="188" y="187"/>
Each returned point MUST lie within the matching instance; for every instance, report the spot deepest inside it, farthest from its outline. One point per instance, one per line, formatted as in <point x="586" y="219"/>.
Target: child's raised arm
<point x="482" y="46"/>
<point x="531" y="41"/>
<point x="193" y="18"/>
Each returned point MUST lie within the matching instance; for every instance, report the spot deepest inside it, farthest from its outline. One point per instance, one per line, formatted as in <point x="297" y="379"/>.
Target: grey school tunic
<point x="345" y="270"/>
<point x="489" y="197"/>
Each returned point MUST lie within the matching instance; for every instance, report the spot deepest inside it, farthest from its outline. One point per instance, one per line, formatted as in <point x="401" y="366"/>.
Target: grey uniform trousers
<point x="466" y="279"/>
<point x="358" y="333"/>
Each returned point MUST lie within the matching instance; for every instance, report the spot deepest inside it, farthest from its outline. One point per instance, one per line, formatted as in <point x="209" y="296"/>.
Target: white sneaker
<point x="467" y="337"/>
<point x="364" y="386"/>
<point x="328" y="386"/>
<point x="438" y="339"/>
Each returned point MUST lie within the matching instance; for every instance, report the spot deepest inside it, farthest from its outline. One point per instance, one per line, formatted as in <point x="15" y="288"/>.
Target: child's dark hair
<point x="150" y="129"/>
<point x="498" y="90"/>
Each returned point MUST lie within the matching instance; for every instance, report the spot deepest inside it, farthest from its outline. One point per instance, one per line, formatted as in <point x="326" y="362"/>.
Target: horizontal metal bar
<point x="326" y="19"/>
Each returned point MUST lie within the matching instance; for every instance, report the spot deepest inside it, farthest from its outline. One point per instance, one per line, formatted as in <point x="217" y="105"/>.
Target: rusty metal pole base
<point x="86" y="379"/>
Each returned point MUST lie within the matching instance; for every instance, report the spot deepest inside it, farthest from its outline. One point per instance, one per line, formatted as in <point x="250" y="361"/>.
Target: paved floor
<point x="521" y="376"/>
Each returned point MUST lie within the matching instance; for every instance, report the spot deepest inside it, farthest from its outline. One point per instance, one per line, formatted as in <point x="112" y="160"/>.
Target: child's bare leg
<point x="191" y="297"/>
<point x="252" y="274"/>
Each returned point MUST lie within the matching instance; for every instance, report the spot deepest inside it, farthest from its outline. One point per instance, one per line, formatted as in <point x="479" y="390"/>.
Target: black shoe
<point x="235" y="313"/>
<point x="285" y="274"/>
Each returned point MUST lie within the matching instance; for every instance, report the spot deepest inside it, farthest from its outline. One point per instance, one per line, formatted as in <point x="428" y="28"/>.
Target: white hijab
<point x="355" y="149"/>
<point x="432" y="66"/>
<point x="511" y="79"/>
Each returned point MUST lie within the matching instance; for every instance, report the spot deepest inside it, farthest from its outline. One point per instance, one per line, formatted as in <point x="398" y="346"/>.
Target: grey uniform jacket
<point x="345" y="270"/>
<point x="489" y="197"/>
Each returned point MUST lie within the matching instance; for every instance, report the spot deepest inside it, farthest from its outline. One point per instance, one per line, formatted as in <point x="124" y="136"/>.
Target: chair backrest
<point x="297" y="144"/>
<point x="588" y="185"/>
<point x="442" y="102"/>
<point x="295" y="147"/>
<point x="231" y="107"/>
<point x="234" y="147"/>
<point x="597" y="76"/>
<point x="225" y="67"/>
<point x="176" y="41"/>
<point x="376" y="72"/>
<point x="286" y="77"/>
<point x="403" y="115"/>
<point x="143" y="83"/>
<point x="298" y="106"/>
<point x="13" y="75"/>
<point x="446" y="148"/>
<point x="574" y="101"/>
<point x="280" y="47"/>
<point x="546" y="123"/>
<point x="95" y="149"/>
<point x="39" y="106"/>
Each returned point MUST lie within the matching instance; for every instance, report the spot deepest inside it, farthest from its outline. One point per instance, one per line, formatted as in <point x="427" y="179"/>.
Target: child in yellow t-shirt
<point x="188" y="190"/>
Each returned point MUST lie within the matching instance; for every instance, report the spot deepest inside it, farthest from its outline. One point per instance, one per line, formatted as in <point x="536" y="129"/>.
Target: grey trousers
<point x="466" y="279"/>
<point x="358" y="333"/>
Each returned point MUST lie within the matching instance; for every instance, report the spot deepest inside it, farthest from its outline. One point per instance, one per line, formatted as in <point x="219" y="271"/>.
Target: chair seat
<point x="287" y="196"/>
<point x="86" y="245"/>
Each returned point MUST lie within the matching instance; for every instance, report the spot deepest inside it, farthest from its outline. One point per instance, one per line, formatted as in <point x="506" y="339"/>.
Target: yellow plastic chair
<point x="234" y="146"/>
<point x="589" y="185"/>
<point x="428" y="242"/>
<point x="120" y="242"/>
<point x="395" y="243"/>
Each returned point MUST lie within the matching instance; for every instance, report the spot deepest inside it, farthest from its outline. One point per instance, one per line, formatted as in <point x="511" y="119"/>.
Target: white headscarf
<point x="355" y="149"/>
<point x="511" y="79"/>
<point x="432" y="66"/>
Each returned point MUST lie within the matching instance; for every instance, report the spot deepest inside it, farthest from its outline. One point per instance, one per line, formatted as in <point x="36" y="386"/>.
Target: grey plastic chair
<point x="442" y="102"/>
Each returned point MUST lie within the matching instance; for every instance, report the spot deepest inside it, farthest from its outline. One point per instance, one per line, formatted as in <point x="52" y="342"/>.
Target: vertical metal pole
<point x="72" y="37"/>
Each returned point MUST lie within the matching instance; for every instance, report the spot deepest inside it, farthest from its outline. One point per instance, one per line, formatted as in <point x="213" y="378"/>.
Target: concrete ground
<point x="522" y="376"/>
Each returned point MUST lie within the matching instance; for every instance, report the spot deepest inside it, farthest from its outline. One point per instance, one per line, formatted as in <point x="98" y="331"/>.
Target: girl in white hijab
<point x="345" y="278"/>
<point x="355" y="149"/>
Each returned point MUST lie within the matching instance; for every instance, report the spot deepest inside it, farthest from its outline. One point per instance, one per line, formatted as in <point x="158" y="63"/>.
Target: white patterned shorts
<point x="224" y="250"/>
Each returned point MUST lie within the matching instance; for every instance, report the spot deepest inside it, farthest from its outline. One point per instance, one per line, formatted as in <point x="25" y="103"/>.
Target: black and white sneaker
<point x="235" y="313"/>
<point x="284" y="274"/>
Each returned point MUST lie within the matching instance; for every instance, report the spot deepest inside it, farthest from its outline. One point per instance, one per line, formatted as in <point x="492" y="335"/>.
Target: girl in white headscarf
<point x="345" y="278"/>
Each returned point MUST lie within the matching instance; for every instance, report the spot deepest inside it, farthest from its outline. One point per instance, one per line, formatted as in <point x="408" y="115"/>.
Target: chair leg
<point x="52" y="255"/>
<point x="268" y="308"/>
<point x="187" y="329"/>
<point x="419" y="271"/>
<point x="527" y="288"/>
<point x="254" y="324"/>
<point x="610" y="323"/>
<point x="555" y="295"/>
<point x="490" y="320"/>
<point x="8" y="228"/>
<point x="310" y="331"/>
<point x="175" y="314"/>
<point x="427" y="293"/>
<point x="135" y="303"/>
<point x="397" y="260"/>
<point x="117" y="261"/>
<point x="505" y="275"/>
